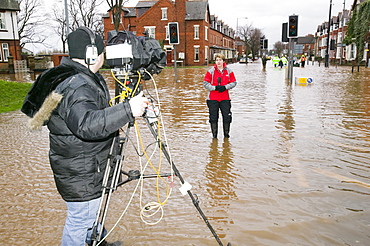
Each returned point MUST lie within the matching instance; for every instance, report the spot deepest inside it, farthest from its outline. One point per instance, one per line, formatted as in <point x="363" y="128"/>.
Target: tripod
<point x="114" y="173"/>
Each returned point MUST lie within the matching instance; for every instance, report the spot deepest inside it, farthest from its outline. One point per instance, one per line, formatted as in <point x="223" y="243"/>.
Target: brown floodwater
<point x="296" y="170"/>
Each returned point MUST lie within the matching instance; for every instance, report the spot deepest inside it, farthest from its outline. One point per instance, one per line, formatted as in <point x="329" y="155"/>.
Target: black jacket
<point x="82" y="128"/>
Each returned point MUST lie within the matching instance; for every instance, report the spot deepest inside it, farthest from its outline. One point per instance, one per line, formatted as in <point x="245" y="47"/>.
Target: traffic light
<point x="261" y="41"/>
<point x="265" y="43"/>
<point x="173" y="28"/>
<point x="293" y="26"/>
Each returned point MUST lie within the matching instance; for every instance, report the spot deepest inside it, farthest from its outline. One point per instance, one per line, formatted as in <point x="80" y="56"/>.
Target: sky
<point x="269" y="15"/>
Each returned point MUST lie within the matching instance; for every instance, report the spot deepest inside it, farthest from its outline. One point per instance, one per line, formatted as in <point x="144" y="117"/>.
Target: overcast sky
<point x="268" y="15"/>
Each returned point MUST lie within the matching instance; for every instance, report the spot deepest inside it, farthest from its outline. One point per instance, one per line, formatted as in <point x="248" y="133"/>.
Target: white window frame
<point x="167" y="33"/>
<point x="206" y="33"/>
<point x="196" y="32"/>
<point x="5" y="53"/>
<point x="2" y="21"/>
<point x="196" y="52"/>
<point x="164" y="14"/>
<point x="150" y="30"/>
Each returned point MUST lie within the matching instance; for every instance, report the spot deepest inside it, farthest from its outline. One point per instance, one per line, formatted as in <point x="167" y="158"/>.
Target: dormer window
<point x="2" y="21"/>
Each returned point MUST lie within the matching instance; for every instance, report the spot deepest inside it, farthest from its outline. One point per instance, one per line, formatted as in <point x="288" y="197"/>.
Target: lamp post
<point x="66" y="14"/>
<point x="237" y="23"/>
<point x="341" y="47"/>
<point x="327" y="41"/>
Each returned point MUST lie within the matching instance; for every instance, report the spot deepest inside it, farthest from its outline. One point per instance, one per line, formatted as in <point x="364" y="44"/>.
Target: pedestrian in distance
<point x="218" y="81"/>
<point x="303" y="60"/>
<point x="264" y="61"/>
<point x="281" y="63"/>
<point x="275" y="61"/>
<point x="73" y="101"/>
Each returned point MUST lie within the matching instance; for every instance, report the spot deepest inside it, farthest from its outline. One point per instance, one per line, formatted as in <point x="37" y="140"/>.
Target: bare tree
<point x="83" y="13"/>
<point x="60" y="26"/>
<point x="251" y="37"/>
<point x="116" y="7"/>
<point x="31" y="23"/>
<point x="279" y="47"/>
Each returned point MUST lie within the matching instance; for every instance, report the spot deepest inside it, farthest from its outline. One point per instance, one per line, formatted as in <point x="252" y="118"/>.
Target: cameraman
<point x="82" y="128"/>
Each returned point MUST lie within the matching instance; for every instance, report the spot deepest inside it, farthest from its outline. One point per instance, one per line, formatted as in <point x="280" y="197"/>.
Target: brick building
<point x="201" y="34"/>
<point x="9" y="39"/>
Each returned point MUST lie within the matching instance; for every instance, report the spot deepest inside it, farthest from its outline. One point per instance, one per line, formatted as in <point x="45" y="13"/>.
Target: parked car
<point x="243" y="60"/>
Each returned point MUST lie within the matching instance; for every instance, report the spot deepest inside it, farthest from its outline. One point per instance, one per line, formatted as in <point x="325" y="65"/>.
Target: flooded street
<point x="295" y="171"/>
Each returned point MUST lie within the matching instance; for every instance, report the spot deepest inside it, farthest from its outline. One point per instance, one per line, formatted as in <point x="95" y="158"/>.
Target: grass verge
<point x="12" y="95"/>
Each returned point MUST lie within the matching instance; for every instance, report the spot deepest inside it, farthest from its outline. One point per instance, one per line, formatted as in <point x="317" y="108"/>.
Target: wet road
<point x="296" y="170"/>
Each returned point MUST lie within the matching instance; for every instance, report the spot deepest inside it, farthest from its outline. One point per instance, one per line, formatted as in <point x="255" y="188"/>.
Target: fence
<point x="20" y="66"/>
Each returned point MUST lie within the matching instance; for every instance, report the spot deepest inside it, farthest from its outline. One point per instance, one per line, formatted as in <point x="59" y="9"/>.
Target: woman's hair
<point x="220" y="55"/>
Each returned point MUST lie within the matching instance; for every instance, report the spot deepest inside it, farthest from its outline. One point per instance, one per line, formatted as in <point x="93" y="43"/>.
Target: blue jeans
<point x="80" y="217"/>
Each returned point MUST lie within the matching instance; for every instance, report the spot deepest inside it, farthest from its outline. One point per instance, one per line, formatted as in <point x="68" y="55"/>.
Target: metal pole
<point x="66" y="14"/>
<point x="327" y="41"/>
<point x="341" y="47"/>
<point x="175" y="59"/>
<point x="291" y="62"/>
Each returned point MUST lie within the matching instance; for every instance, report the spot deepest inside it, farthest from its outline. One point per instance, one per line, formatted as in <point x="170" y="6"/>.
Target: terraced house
<point x="201" y="34"/>
<point x="9" y="39"/>
<point x="338" y="50"/>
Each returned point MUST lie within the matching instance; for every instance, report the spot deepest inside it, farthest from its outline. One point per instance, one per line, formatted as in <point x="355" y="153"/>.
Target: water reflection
<point x="294" y="172"/>
<point x="220" y="174"/>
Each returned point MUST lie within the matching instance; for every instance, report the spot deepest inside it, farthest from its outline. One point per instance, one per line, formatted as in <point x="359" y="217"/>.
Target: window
<point x="206" y="52"/>
<point x="196" y="53"/>
<point x="5" y="51"/>
<point x="167" y="33"/>
<point x="340" y="37"/>
<point x="196" y="31"/>
<point x="206" y="33"/>
<point x="164" y="13"/>
<point x="353" y="51"/>
<point x="2" y="21"/>
<point x="150" y="30"/>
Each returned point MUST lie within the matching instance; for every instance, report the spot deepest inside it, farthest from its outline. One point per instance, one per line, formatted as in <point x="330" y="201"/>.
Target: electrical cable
<point x="158" y="206"/>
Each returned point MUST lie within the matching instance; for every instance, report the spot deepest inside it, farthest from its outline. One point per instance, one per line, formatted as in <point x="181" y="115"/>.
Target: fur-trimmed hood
<point x="41" y="100"/>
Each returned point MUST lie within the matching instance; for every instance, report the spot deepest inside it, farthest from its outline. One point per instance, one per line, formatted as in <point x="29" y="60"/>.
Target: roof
<point x="9" y="5"/>
<point x="306" y="40"/>
<point x="145" y="4"/>
<point x="196" y="10"/>
<point x="129" y="11"/>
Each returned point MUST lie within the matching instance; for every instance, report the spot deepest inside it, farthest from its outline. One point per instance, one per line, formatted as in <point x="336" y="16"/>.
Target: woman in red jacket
<point x="218" y="81"/>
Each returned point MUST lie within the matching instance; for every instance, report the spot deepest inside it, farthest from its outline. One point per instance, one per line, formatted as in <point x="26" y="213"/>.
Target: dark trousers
<point x="215" y="106"/>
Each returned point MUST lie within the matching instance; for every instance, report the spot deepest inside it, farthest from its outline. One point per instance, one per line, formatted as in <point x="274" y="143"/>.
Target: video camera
<point x="133" y="58"/>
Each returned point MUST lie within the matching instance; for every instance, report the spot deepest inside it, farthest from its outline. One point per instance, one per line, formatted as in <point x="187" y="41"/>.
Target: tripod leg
<point x="153" y="126"/>
<point x="109" y="184"/>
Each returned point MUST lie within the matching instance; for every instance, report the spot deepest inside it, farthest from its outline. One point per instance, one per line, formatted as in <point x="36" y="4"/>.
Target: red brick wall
<point x="176" y="13"/>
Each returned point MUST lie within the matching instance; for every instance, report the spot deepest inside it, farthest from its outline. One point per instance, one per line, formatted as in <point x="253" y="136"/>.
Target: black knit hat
<point x="79" y="39"/>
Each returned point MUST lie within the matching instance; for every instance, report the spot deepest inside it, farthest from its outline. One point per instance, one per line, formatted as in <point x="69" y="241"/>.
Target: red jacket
<point x="227" y="78"/>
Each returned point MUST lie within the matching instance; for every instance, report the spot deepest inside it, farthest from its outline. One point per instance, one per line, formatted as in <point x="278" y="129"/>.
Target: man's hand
<point x="138" y="105"/>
